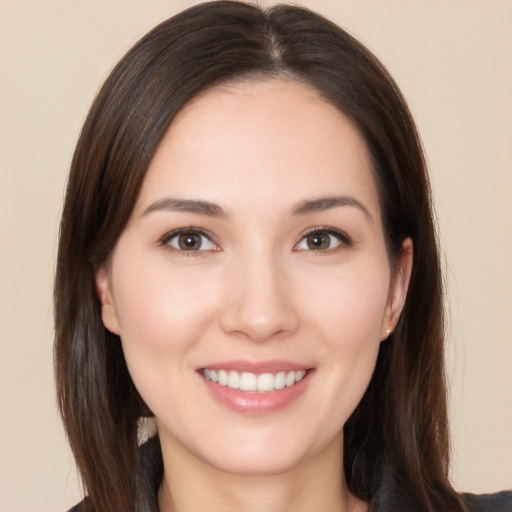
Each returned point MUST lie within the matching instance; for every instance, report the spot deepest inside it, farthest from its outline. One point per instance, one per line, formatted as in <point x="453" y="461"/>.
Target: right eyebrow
<point x="197" y="206"/>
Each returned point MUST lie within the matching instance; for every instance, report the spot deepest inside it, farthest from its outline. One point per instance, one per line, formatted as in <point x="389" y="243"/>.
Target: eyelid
<point x="164" y="240"/>
<point x="344" y="239"/>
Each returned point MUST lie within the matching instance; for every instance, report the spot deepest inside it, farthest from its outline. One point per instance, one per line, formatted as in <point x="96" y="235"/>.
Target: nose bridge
<point x="259" y="304"/>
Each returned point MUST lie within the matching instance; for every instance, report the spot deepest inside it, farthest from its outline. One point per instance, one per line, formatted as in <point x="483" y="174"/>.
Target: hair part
<point x="396" y="441"/>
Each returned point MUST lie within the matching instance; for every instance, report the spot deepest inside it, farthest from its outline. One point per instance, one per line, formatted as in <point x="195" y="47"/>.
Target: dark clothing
<point x="497" y="502"/>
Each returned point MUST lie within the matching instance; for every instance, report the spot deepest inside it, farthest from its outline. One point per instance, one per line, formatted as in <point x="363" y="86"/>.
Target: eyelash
<point x="167" y="238"/>
<point x="343" y="239"/>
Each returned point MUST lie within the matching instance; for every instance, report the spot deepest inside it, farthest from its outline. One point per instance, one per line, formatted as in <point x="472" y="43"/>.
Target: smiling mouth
<point x="252" y="382"/>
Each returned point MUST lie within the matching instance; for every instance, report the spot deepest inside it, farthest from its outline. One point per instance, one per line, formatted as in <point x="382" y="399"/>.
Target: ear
<point x="398" y="288"/>
<point x="108" y="310"/>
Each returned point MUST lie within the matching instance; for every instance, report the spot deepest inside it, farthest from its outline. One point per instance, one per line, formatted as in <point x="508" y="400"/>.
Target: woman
<point x="247" y="255"/>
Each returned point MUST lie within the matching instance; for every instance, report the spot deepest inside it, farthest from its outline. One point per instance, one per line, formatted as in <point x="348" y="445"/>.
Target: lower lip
<point x="254" y="403"/>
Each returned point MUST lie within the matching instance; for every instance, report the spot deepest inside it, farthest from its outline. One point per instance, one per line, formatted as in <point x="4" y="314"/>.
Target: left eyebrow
<point x="325" y="203"/>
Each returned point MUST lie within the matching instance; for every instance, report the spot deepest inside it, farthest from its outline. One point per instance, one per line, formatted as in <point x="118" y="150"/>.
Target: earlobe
<point x="108" y="310"/>
<point x="398" y="289"/>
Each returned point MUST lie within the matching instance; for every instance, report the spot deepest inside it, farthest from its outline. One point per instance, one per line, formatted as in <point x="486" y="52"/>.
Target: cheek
<point x="158" y="306"/>
<point x="350" y="308"/>
<point x="162" y="313"/>
<point x="349" y="313"/>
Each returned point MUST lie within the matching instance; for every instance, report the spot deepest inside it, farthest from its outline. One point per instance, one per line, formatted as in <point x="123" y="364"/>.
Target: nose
<point x="259" y="303"/>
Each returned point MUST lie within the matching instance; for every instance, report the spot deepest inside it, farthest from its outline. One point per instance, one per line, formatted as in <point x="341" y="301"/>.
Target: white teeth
<point x="223" y="377"/>
<point x="299" y="375"/>
<point x="290" y="379"/>
<point x="265" y="382"/>
<point x="234" y="380"/>
<point x="247" y="381"/>
<point x="280" y="380"/>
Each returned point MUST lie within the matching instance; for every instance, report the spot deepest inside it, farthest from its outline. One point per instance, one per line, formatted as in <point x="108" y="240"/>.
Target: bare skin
<point x="185" y="488"/>
<point x="256" y="242"/>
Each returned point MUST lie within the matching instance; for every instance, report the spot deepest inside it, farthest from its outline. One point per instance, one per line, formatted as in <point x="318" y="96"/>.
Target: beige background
<point x="453" y="60"/>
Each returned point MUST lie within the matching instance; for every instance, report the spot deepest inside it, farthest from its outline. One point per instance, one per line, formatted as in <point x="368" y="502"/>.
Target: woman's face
<point x="254" y="257"/>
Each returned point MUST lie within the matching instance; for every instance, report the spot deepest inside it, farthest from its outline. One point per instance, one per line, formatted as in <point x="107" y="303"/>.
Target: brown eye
<point x="189" y="241"/>
<point x="323" y="240"/>
<point x="318" y="241"/>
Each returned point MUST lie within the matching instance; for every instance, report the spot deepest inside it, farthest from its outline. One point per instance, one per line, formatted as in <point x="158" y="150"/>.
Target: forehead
<point x="271" y="140"/>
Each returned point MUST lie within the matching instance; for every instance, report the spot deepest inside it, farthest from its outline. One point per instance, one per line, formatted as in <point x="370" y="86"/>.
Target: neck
<point x="314" y="485"/>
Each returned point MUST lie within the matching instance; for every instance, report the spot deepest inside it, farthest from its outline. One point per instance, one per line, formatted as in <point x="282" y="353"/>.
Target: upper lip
<point x="257" y="367"/>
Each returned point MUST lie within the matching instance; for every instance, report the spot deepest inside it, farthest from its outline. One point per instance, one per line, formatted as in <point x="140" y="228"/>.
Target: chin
<point x="268" y="457"/>
<point x="257" y="465"/>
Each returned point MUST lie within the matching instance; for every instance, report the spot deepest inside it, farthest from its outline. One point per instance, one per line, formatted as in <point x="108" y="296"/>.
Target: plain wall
<point x="453" y="61"/>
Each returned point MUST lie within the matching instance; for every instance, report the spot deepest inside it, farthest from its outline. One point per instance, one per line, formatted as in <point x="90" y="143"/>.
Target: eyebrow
<point x="210" y="209"/>
<point x="186" y="206"/>
<point x="325" y="203"/>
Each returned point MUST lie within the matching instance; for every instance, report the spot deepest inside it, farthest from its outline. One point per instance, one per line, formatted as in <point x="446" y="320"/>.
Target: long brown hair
<point x="396" y="441"/>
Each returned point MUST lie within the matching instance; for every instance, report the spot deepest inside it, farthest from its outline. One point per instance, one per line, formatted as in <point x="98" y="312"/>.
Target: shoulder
<point x="79" y="507"/>
<point x="497" y="502"/>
